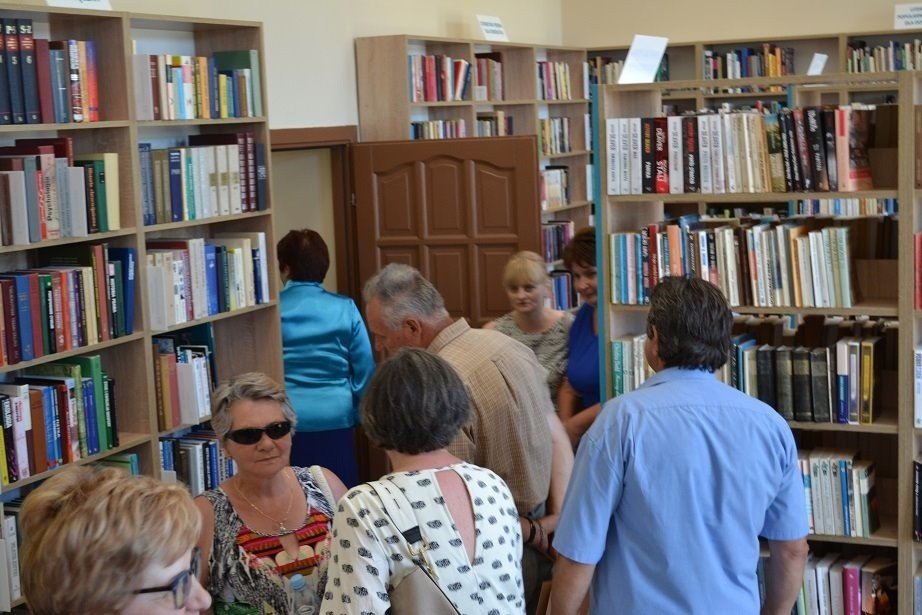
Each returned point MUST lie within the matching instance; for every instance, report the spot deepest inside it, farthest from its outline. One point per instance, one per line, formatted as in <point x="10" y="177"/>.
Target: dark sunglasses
<point x="181" y="585"/>
<point x="252" y="435"/>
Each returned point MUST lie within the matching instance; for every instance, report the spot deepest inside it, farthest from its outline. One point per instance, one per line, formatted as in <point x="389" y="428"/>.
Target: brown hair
<point x="89" y="534"/>
<point x="305" y="254"/>
<point x="581" y="249"/>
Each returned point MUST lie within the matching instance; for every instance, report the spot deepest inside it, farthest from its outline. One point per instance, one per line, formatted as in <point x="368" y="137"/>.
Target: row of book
<point x="184" y="376"/>
<point x="554" y="81"/>
<point x="839" y="492"/>
<point x="917" y="497"/>
<point x="181" y="87"/>
<point x="44" y="81"/>
<point x="489" y="84"/>
<point x="563" y="296"/>
<point x="605" y="70"/>
<point x="438" y="78"/>
<point x="862" y="57"/>
<point x="917" y="269"/>
<point x="746" y="62"/>
<point x="555" y="235"/>
<point x="215" y="175"/>
<point x="554" y="187"/>
<point x="494" y="124"/>
<point x="189" y="279"/>
<point x="56" y="413"/>
<point x="554" y="136"/>
<point x="812" y="149"/>
<point x="196" y="459"/>
<point x="48" y="192"/>
<point x="438" y="129"/>
<point x="82" y="295"/>
<point x="847" y="208"/>
<point x="835" y="584"/>
<point x="800" y="262"/>
<point x="629" y="368"/>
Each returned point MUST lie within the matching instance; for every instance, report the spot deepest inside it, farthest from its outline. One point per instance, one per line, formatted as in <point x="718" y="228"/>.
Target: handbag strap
<point x="399" y="510"/>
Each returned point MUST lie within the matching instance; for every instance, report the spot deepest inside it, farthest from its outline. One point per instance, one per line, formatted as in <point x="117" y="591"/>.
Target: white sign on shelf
<point x="643" y="59"/>
<point x="817" y="64"/>
<point x="907" y="16"/>
<point x="492" y="28"/>
<point x="99" y="5"/>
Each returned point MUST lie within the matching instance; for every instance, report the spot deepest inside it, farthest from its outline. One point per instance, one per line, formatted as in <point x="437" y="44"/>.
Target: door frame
<point x="339" y="140"/>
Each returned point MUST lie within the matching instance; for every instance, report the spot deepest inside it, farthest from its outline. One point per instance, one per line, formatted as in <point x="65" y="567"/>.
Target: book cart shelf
<point x="245" y="339"/>
<point x="387" y="108"/>
<point x="882" y="285"/>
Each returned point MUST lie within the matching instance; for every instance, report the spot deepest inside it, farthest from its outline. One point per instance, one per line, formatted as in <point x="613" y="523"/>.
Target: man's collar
<point x="448" y="334"/>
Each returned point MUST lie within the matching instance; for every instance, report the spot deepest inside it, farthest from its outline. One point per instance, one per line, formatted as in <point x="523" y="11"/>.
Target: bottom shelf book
<point x="196" y="459"/>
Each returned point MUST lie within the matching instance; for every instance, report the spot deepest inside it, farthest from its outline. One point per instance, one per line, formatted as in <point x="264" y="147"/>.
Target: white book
<point x="836" y="600"/>
<point x="257" y="242"/>
<point x="805" y="264"/>
<point x="202" y="182"/>
<point x="819" y="503"/>
<point x="19" y="217"/>
<point x="196" y="466"/>
<point x="157" y="297"/>
<point x="22" y="424"/>
<point x="613" y="144"/>
<point x="824" y="597"/>
<point x="828" y="255"/>
<point x="624" y="154"/>
<point x="717" y="153"/>
<point x="818" y="267"/>
<point x="732" y="274"/>
<point x="223" y="179"/>
<point x="76" y="196"/>
<point x="590" y="182"/>
<point x="234" y="174"/>
<point x="917" y="382"/>
<point x="636" y="141"/>
<point x="11" y="540"/>
<point x="760" y="290"/>
<point x="674" y="134"/>
<point x="810" y="595"/>
<point x="804" y="462"/>
<point x="729" y="142"/>
<point x="826" y="486"/>
<point x="587" y="130"/>
<point x="706" y="180"/>
<point x="143" y="95"/>
<point x="243" y="243"/>
<point x="189" y="411"/>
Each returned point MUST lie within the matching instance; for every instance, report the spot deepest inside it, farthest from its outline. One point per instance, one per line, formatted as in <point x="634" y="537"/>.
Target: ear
<point x="414" y="329"/>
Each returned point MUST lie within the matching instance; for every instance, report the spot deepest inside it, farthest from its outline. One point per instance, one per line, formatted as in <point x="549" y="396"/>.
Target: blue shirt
<point x="327" y="355"/>
<point x="583" y="362"/>
<point x="671" y="488"/>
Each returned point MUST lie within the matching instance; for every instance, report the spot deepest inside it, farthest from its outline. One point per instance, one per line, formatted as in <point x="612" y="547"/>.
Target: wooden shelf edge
<point x="73" y="352"/>
<point x="572" y="154"/>
<point x="567" y="207"/>
<point x="858" y="310"/>
<point x="215" y="317"/>
<point x="63" y="241"/>
<point x="168" y="226"/>
<point x="749" y="197"/>
<point x="884" y="425"/>
<point x="166" y="433"/>
<point x="199" y="122"/>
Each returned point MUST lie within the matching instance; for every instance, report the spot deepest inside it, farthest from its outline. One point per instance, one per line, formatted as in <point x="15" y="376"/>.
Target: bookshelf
<point x="244" y="339"/>
<point x="879" y="282"/>
<point x="531" y="104"/>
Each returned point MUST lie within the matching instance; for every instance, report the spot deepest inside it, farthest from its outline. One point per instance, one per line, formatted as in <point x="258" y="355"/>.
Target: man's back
<point x="508" y="432"/>
<point x="672" y="487"/>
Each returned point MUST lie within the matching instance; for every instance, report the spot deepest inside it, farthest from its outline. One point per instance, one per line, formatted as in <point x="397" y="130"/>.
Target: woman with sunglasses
<point x="270" y="520"/>
<point x="101" y="541"/>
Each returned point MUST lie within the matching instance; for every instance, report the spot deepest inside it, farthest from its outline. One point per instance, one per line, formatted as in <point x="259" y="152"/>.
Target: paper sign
<point x="643" y="59"/>
<point x="99" y="5"/>
<point x="817" y="64"/>
<point x="492" y="28"/>
<point x="907" y="16"/>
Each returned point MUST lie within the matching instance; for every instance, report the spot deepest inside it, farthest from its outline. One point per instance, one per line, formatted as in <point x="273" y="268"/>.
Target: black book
<point x="765" y="368"/>
<point x="829" y="141"/>
<point x="108" y="387"/>
<point x="647" y="156"/>
<point x="789" y="148"/>
<point x="5" y="109"/>
<point x="819" y="376"/>
<point x="29" y="74"/>
<point x="14" y="73"/>
<point x="784" y="386"/>
<point x="802" y="389"/>
<point x="917" y="500"/>
<point x="690" y="153"/>
<point x="816" y="147"/>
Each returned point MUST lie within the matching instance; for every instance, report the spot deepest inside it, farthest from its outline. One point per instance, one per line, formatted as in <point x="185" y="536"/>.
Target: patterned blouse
<point x="550" y="347"/>
<point x="248" y="571"/>
<point x="369" y="559"/>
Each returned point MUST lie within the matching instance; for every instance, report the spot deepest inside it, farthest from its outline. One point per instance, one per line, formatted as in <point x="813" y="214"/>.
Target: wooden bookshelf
<point x="386" y="109"/>
<point x="246" y="339"/>
<point x="890" y="441"/>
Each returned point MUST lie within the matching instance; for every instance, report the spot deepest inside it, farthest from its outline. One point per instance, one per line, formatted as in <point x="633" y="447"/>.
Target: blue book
<point x="14" y="71"/>
<point x="844" y="477"/>
<point x="128" y="258"/>
<point x="189" y="211"/>
<point x="211" y="278"/>
<point x="213" y="88"/>
<point x="29" y="75"/>
<point x="55" y="451"/>
<point x="180" y="94"/>
<point x="176" y="189"/>
<point x="60" y="94"/>
<point x="148" y="205"/>
<point x="24" y="313"/>
<point x="638" y="265"/>
<point x="89" y="409"/>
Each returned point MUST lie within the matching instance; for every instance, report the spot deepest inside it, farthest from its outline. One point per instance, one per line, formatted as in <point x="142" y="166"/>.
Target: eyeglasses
<point x="252" y="435"/>
<point x="181" y="584"/>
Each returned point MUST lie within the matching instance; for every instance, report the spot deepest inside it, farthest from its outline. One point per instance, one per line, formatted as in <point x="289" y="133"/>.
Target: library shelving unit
<point x="880" y="285"/>
<point x="387" y="109"/>
<point x="249" y="339"/>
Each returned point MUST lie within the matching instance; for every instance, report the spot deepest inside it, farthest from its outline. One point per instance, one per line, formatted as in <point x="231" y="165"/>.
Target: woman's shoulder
<point x="316" y="488"/>
<point x="504" y="324"/>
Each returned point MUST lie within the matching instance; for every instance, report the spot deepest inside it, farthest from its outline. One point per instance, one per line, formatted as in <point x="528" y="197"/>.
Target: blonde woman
<point x="101" y="541"/>
<point x="531" y="322"/>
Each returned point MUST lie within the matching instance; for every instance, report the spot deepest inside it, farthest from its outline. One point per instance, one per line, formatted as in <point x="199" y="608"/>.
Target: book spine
<point x="31" y="106"/>
<point x="14" y="71"/>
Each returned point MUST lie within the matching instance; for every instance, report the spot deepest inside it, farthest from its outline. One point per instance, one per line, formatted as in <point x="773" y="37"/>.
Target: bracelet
<point x="541" y="528"/>
<point x="531" y="533"/>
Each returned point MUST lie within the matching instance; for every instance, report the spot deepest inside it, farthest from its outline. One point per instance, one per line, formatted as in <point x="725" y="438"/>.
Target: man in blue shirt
<point x="674" y="482"/>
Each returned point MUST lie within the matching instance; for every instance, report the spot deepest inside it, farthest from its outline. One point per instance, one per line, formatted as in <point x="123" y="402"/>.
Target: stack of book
<point x="196" y="459"/>
<point x="629" y="363"/>
<point x="563" y="297"/>
<point x="862" y="57"/>
<point x="439" y="78"/>
<point x="184" y="376"/>
<point x="554" y="136"/>
<point x="555" y="235"/>
<point x="606" y="70"/>
<point x="554" y="187"/>
<point x="554" y="81"/>
<point x="489" y="84"/>
<point x="493" y="124"/>
<point x="839" y="492"/>
<point x="745" y="62"/>
<point x="438" y="129"/>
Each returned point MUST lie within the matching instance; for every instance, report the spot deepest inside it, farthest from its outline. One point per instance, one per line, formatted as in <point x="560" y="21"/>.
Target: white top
<point x="369" y="559"/>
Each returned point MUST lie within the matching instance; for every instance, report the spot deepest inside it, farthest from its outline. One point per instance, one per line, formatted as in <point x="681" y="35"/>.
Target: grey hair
<point x="403" y="291"/>
<point x="415" y="403"/>
<point x="251" y="386"/>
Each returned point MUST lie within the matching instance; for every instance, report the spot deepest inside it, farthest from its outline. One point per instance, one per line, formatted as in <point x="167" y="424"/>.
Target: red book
<point x="917" y="245"/>
<point x="653" y="230"/>
<point x="155" y="85"/>
<point x="63" y="146"/>
<point x="43" y="71"/>
<point x="49" y="191"/>
<point x="39" y="448"/>
<point x="92" y="85"/>
<point x="11" y="320"/>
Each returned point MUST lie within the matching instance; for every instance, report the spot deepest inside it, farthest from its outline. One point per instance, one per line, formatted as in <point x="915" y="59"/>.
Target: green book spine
<point x="91" y="367"/>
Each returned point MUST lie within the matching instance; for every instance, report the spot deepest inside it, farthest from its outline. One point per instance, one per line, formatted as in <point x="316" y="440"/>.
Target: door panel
<point x="455" y="209"/>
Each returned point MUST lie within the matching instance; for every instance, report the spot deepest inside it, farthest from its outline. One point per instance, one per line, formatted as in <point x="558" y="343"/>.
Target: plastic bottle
<point x="302" y="596"/>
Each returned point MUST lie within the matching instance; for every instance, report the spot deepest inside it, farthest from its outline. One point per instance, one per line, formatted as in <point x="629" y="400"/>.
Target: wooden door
<point x="454" y="209"/>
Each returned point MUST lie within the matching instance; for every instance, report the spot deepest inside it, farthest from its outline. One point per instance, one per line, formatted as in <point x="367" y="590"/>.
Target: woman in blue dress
<point x="578" y="399"/>
<point x="327" y="355"/>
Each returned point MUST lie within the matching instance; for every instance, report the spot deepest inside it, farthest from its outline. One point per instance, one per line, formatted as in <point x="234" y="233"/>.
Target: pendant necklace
<point x="281" y="523"/>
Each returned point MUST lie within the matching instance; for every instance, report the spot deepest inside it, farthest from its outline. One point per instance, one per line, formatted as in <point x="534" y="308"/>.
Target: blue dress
<point x="583" y="365"/>
<point x="327" y="354"/>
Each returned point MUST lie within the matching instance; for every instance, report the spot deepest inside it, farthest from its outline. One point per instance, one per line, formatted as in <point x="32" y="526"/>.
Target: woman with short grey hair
<point x="434" y="514"/>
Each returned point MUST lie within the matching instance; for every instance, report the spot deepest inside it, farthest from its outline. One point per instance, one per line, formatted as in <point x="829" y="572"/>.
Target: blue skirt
<point x="333" y="449"/>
